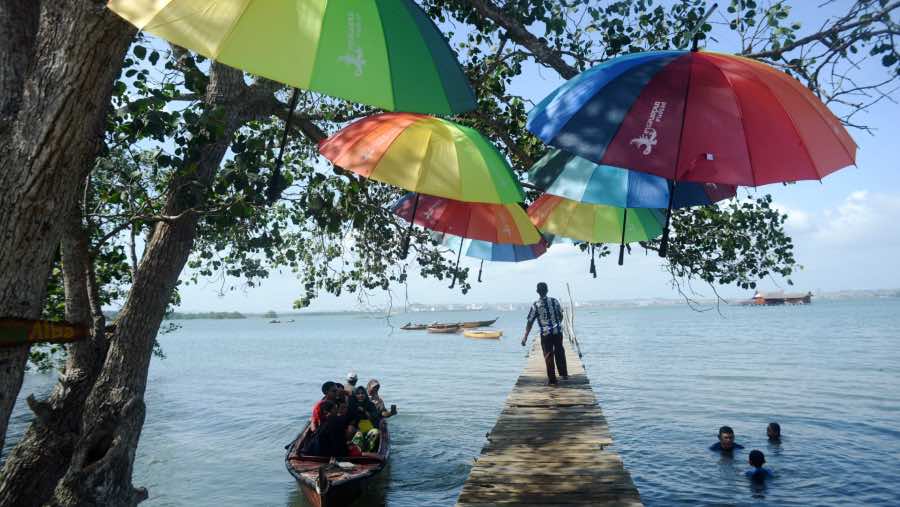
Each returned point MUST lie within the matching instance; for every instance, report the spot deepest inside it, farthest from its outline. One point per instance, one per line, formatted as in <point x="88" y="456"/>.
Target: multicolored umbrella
<point x="425" y="155"/>
<point x="695" y="116"/>
<point x="497" y="252"/>
<point x="570" y="176"/>
<point x="595" y="223"/>
<point x="384" y="53"/>
<point x="497" y="223"/>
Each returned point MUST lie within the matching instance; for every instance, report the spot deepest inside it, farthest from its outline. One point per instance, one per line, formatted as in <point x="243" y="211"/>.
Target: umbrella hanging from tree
<point x="695" y="116"/>
<point x="570" y="176"/>
<point x="496" y="223"/>
<point x="384" y="53"/>
<point x="425" y="155"/>
<point x="595" y="223"/>
<point x="497" y="252"/>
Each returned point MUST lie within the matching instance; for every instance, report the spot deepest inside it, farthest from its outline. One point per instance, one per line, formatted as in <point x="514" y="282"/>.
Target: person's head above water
<point x="726" y="437"/>
<point x="542" y="289"/>
<point x="774" y="431"/>
<point x="757" y="458"/>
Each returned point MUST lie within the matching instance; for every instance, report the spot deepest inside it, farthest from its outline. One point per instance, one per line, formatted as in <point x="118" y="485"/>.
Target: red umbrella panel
<point x="497" y="223"/>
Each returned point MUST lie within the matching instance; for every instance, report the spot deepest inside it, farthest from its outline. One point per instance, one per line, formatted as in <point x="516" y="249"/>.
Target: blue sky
<point x="846" y="233"/>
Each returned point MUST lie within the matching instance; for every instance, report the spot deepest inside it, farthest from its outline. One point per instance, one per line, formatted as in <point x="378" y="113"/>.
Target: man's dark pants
<point x="552" y="346"/>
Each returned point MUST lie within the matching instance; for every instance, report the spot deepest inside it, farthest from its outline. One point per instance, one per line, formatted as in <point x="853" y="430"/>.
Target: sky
<point x="846" y="233"/>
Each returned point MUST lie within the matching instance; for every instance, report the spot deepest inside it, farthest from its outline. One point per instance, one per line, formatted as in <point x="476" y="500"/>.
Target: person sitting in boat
<point x="373" y="387"/>
<point x="356" y="443"/>
<point x="351" y="383"/>
<point x="330" y="393"/>
<point x="329" y="439"/>
<point x="365" y="417"/>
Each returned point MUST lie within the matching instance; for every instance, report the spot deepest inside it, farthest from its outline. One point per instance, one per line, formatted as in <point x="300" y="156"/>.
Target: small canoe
<point x="447" y="328"/>
<point x="478" y="323"/>
<point x="409" y="326"/>
<point x="327" y="483"/>
<point x="487" y="333"/>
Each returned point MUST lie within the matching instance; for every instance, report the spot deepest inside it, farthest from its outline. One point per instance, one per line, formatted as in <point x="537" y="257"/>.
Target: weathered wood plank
<point x="550" y="446"/>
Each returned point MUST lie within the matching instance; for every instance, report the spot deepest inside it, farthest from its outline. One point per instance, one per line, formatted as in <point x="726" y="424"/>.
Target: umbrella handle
<point x="593" y="269"/>
<point x="412" y="220"/>
<point x="664" y="244"/>
<point x="456" y="268"/>
<point x="622" y="245"/>
<point x="480" y="266"/>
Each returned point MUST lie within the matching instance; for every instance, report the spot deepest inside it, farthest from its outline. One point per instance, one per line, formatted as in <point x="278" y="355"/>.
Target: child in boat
<point x="758" y="472"/>
<point x="366" y="417"/>
<point x="329" y="392"/>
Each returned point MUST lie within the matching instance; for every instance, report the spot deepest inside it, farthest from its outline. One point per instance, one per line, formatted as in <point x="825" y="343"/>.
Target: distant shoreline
<point x="506" y="307"/>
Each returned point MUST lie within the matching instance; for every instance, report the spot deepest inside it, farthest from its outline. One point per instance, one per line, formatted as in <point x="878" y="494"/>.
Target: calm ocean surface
<point x="232" y="393"/>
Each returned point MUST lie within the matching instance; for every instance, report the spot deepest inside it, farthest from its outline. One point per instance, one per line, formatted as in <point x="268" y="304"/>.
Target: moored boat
<point x="409" y="326"/>
<point x="483" y="334"/>
<point x="335" y="482"/>
<point x="444" y="328"/>
<point x="478" y="323"/>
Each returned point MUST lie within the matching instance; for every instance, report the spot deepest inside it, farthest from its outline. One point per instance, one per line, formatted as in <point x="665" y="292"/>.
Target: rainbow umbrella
<point x="595" y="223"/>
<point x="570" y="176"/>
<point x="496" y="223"/>
<point x="497" y="252"/>
<point x="695" y="116"/>
<point x="425" y="155"/>
<point x="385" y="53"/>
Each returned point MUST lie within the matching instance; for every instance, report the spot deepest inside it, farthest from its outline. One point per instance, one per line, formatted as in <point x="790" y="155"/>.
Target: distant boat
<point x="329" y="483"/>
<point x="478" y="323"/>
<point x="443" y="328"/>
<point x="274" y="321"/>
<point x="485" y="334"/>
<point x="409" y="326"/>
<point x="778" y="298"/>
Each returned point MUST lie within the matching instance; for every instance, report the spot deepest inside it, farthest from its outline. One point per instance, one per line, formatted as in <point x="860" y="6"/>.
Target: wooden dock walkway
<point x="549" y="447"/>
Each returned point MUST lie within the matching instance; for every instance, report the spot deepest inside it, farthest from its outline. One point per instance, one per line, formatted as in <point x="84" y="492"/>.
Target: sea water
<point x="230" y="394"/>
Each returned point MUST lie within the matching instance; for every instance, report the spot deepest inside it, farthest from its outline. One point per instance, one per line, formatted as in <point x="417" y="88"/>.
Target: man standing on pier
<point x="548" y="312"/>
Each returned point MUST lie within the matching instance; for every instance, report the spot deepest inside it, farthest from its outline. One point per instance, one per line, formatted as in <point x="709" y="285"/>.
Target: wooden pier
<point x="550" y="446"/>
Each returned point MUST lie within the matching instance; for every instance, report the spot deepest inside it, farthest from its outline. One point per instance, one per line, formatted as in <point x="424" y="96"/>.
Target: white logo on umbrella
<point x="354" y="56"/>
<point x="647" y="140"/>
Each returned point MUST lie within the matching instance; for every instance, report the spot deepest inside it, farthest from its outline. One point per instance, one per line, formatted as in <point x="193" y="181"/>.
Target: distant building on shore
<point x="779" y="298"/>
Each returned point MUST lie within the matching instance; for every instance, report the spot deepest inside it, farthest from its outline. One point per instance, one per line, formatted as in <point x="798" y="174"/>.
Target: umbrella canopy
<point x="497" y="223"/>
<point x="695" y="116"/>
<point x="498" y="252"/>
<point x="570" y="176"/>
<point x="595" y="223"/>
<point x="385" y="53"/>
<point x="426" y="155"/>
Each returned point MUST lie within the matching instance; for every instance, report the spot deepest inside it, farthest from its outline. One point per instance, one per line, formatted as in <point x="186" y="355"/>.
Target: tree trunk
<point x="40" y="459"/>
<point x="50" y="146"/>
<point x="101" y="467"/>
<point x="18" y="31"/>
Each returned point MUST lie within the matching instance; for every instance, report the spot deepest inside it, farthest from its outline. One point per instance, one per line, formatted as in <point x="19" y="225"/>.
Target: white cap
<point x="352" y="376"/>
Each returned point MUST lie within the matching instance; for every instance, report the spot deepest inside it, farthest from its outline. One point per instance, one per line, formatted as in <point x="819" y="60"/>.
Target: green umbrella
<point x="385" y="53"/>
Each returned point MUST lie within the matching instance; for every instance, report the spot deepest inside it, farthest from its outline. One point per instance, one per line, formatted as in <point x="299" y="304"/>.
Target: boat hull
<point x="448" y="329"/>
<point x="483" y="335"/>
<point x="326" y="485"/>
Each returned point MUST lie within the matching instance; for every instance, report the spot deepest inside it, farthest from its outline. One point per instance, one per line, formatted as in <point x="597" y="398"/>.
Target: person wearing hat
<point x="351" y="383"/>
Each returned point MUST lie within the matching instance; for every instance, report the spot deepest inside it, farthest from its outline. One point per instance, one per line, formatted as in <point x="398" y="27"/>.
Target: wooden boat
<point x="443" y="328"/>
<point x="487" y="333"/>
<point x="335" y="482"/>
<point x="778" y="298"/>
<point x="409" y="326"/>
<point x="478" y="323"/>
